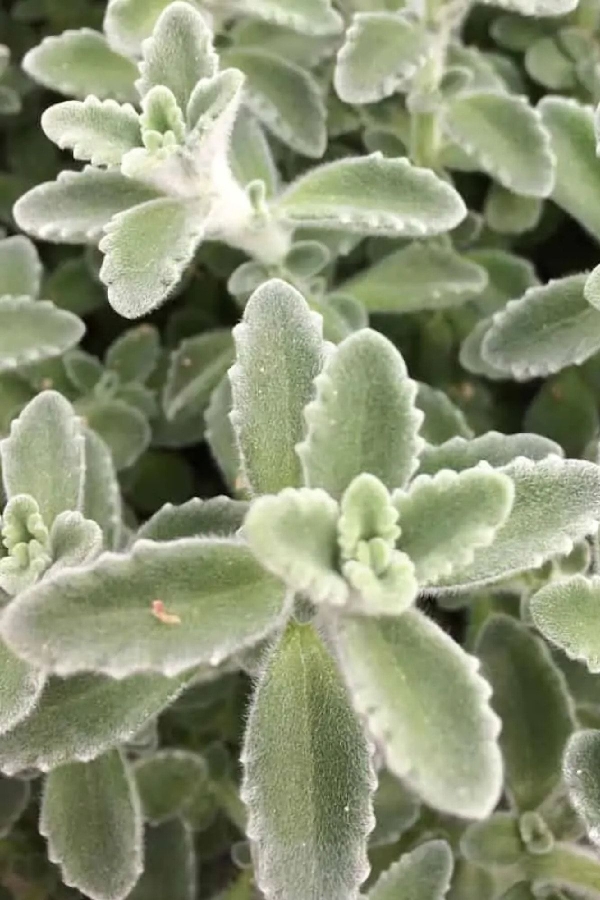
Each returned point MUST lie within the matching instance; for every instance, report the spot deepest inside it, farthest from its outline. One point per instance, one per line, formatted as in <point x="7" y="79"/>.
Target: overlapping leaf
<point x="95" y="131"/>
<point x="20" y="267"/>
<point x="31" y="331"/>
<point x="493" y="447"/>
<point x="423" y="874"/>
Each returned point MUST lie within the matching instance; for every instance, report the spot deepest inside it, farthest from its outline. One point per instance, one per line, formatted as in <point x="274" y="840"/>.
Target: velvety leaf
<point x="123" y="428"/>
<point x="217" y="517"/>
<point x="220" y="435"/>
<point x="495" y="842"/>
<point x="284" y="97"/>
<point x="135" y="354"/>
<point x="577" y="187"/>
<point x="536" y="7"/>
<point x="147" y="250"/>
<point x="507" y="139"/>
<point x="396" y="810"/>
<point x="250" y="156"/>
<point x="167" y="782"/>
<point x="372" y="195"/>
<point x="169" y="864"/>
<point x="363" y="390"/>
<point x="418" y="277"/>
<point x="20" y="267"/>
<point x="20" y="689"/>
<point x="565" y="612"/>
<point x="179" y="53"/>
<point x="101" y="492"/>
<point x="95" y="131"/>
<point x="307" y="775"/>
<point x="444" y="519"/>
<point x="427" y="707"/>
<point x="509" y="276"/>
<point x="14" y="797"/>
<point x="581" y="768"/>
<point x="195" y="370"/>
<point x="529" y="693"/>
<point x="91" y="819"/>
<point x="74" y="541"/>
<point x="164" y="607"/>
<point x="549" y="328"/>
<point x="494" y="448"/>
<point x="471" y="355"/>
<point x="443" y="420"/>
<point x="79" y="718"/>
<point x="279" y="354"/>
<point x="76" y="207"/>
<point x="509" y="213"/>
<point x="79" y="63"/>
<point x="423" y="874"/>
<point x="314" y="17"/>
<point x="565" y="409"/>
<point x="128" y="22"/>
<point x="557" y="503"/>
<point x="44" y="456"/>
<point x="33" y="330"/>
<point x="380" y="55"/>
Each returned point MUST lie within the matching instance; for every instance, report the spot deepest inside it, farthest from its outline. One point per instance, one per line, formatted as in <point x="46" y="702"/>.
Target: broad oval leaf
<point x="135" y="354"/>
<point x="95" y="131"/>
<point x="127" y="23"/>
<point x="530" y="695"/>
<point x="566" y="614"/>
<point x="80" y="62"/>
<point x="101" y="492"/>
<point x="444" y="519"/>
<point x="218" y="516"/>
<point x="443" y="420"/>
<point x="372" y="195"/>
<point x="418" y="277"/>
<point x="90" y="816"/>
<point x="308" y="778"/>
<point x="493" y="447"/>
<point x="423" y="874"/>
<point x="363" y="390"/>
<point x="34" y="330"/>
<point x="581" y="768"/>
<point x="509" y="213"/>
<point x="311" y="17"/>
<point x="20" y="267"/>
<point x="250" y="155"/>
<point x="427" y="706"/>
<point x="167" y="781"/>
<point x="163" y="607"/>
<point x="20" y="689"/>
<point x="494" y="842"/>
<point x="76" y="207"/>
<point x="279" y="354"/>
<point x="549" y="328"/>
<point x="507" y="139"/>
<point x="195" y="370"/>
<point x="169" y="863"/>
<point x="123" y="428"/>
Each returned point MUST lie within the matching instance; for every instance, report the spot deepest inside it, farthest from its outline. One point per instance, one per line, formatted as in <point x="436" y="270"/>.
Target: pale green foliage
<point x="566" y="613"/>
<point x="423" y="874"/>
<point x="33" y="331"/>
<point x="581" y="775"/>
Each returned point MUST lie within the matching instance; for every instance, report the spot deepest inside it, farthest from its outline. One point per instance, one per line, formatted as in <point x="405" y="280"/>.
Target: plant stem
<point x="568" y="866"/>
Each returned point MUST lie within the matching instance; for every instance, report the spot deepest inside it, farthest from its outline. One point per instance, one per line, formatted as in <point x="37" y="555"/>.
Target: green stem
<point x="567" y="866"/>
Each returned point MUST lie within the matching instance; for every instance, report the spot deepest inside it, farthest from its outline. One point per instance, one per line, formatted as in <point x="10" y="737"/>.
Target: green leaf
<point x="179" y="53"/>
<point x="44" y="456"/>
<point x="169" y="864"/>
<point x="471" y="355"/>
<point x="363" y="390"/>
<point x="101" y="492"/>
<point x="577" y="188"/>
<point x="100" y="132"/>
<point x="581" y="767"/>
<point x="308" y="778"/>
<point x="79" y="718"/>
<point x="163" y="607"/>
<point x="536" y="7"/>
<point x="250" y="156"/>
<point x="529" y="693"/>
<point x="78" y="63"/>
<point x="20" y="267"/>
<point x="22" y="685"/>
<point x="147" y="250"/>
<point x="549" y="328"/>
<point x="396" y="810"/>
<point x="372" y="195"/>
<point x="494" y="448"/>
<point x="196" y="368"/>
<point x="380" y="56"/>
<point x="135" y="354"/>
<point x="123" y="428"/>
<point x="294" y="536"/>
<point x="509" y="276"/>
<point x="418" y="277"/>
<point x="218" y="517"/>
<point x="221" y="437"/>
<point x="427" y="707"/>
<point x="33" y="330"/>
<point x="443" y="420"/>
<point x="423" y="874"/>
<point x="128" y="22"/>
<point x="74" y="541"/>
<point x="446" y="518"/>
<point x="495" y="842"/>
<point x="509" y="213"/>
<point x="507" y="139"/>
<point x="91" y="819"/>
<point x="557" y="503"/>
<point x="284" y="97"/>
<point x="279" y="353"/>
<point x="566" y="613"/>
<point x="167" y="782"/>
<point x="14" y="797"/>
<point x="311" y="17"/>
<point x="76" y="207"/>
<point x="566" y="410"/>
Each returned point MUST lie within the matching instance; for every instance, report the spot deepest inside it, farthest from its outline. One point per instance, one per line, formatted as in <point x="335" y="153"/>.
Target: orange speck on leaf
<point x="159" y="612"/>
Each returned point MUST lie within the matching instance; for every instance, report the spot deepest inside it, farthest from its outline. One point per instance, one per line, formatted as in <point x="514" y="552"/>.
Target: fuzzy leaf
<point x="179" y="53"/>
<point x="91" y="819"/>
<point x="279" y="354"/>
<point x="123" y="428"/>
<point x="250" y="156"/>
<point x="381" y="53"/>
<point x="169" y="864"/>
<point x="20" y="267"/>
<point x="74" y="541"/>
<point x="495" y="842"/>
<point x="95" y="131"/>
<point x="444" y="519"/>
<point x="363" y="390"/>
<point x="79" y="63"/>
<point x="31" y="331"/>
<point x="557" y="503"/>
<point x="79" y="718"/>
<point x="443" y="420"/>
<point x="536" y="7"/>
<point x="20" y="689"/>
<point x="76" y="207"/>
<point x="423" y="874"/>
<point x="14" y="797"/>
<point x="44" y="456"/>
<point x="217" y="517"/>
<point x="311" y="17"/>
<point x="128" y="22"/>
<point x="307" y="776"/>
<point x="418" y="277"/>
<point x="396" y="810"/>
<point x="581" y="767"/>
<point x="509" y="213"/>
<point x="566" y="613"/>
<point x="577" y="188"/>
<point x="427" y="707"/>
<point x="135" y="354"/>
<point x="195" y="370"/>
<point x="147" y="250"/>
<point x="529" y="693"/>
<point x="494" y="448"/>
<point x="507" y="139"/>
<point x="164" y="607"/>
<point x="372" y="195"/>
<point x="101" y="493"/>
<point x="167" y="782"/>
<point x="549" y="328"/>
